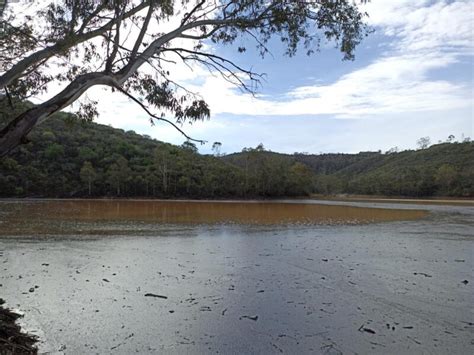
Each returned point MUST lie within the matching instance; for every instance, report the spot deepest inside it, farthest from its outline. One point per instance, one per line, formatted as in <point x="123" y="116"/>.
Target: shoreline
<point x="13" y="340"/>
<point x="454" y="201"/>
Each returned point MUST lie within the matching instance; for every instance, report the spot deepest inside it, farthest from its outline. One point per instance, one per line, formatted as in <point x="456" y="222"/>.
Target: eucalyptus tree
<point x="216" y="148"/>
<point x="128" y="45"/>
<point x="88" y="175"/>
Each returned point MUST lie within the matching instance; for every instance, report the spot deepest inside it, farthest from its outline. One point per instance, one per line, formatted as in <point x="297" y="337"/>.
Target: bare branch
<point x="218" y="66"/>
<point x="143" y="30"/>
<point x="157" y="117"/>
<point x="115" y="41"/>
<point x="189" y="14"/>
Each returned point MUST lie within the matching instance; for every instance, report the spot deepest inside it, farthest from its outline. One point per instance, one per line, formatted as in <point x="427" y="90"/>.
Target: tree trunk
<point x="13" y="134"/>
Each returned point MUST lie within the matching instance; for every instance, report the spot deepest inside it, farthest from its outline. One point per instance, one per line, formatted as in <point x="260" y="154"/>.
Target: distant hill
<point x="445" y="169"/>
<point x="67" y="157"/>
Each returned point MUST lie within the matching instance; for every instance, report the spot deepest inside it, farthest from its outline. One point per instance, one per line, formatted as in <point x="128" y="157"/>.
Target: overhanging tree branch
<point x="68" y="42"/>
<point x="130" y="96"/>
<point x="296" y="22"/>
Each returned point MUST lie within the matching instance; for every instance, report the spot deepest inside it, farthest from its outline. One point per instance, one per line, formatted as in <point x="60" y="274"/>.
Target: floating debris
<point x="155" y="295"/>
<point x="422" y="273"/>
<point x="365" y="329"/>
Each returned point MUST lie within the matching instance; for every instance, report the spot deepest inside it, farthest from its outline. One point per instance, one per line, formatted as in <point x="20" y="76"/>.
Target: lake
<point x="122" y="276"/>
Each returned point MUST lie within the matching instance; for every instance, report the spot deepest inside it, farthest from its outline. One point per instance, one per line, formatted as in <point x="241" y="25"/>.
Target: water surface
<point x="262" y="278"/>
<point x="58" y="217"/>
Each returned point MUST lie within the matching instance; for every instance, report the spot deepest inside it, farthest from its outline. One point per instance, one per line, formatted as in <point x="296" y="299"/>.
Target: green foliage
<point x="67" y="157"/>
<point x="189" y="146"/>
<point x="88" y="43"/>
<point x="54" y="152"/>
<point x="441" y="170"/>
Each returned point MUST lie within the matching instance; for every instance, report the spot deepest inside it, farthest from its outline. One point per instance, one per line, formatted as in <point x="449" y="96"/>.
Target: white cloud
<point x="427" y="36"/>
<point x="426" y="25"/>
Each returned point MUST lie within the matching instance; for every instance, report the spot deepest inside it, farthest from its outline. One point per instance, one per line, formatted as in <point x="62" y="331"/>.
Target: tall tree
<point x="216" y="148"/>
<point x="123" y="44"/>
<point x="88" y="175"/>
<point x="118" y="174"/>
<point x="423" y="142"/>
<point x="162" y="161"/>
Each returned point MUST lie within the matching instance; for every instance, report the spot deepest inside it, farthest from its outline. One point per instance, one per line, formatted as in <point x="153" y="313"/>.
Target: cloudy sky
<point x="412" y="77"/>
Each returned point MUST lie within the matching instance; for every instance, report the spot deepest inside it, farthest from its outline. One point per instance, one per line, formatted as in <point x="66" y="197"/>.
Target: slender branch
<point x="189" y="14"/>
<point x="10" y="102"/>
<point x="216" y="65"/>
<point x="260" y="43"/>
<point x="204" y="36"/>
<point x="92" y="15"/>
<point x="210" y="55"/>
<point x="157" y="117"/>
<point x="143" y="30"/>
<point x="116" y="41"/>
<point x="75" y="7"/>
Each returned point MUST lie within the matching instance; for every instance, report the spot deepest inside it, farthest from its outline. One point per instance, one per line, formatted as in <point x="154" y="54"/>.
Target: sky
<point x="411" y="78"/>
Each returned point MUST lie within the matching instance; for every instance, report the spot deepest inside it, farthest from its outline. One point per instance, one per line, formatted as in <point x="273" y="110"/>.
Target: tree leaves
<point x="64" y="36"/>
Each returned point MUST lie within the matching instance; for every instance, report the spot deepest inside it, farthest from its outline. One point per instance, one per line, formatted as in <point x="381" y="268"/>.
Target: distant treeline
<point x="67" y="157"/>
<point x="445" y="169"/>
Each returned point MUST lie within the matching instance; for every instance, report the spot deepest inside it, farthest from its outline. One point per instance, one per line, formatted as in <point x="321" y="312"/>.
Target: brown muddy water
<point x="295" y="277"/>
<point x="58" y="217"/>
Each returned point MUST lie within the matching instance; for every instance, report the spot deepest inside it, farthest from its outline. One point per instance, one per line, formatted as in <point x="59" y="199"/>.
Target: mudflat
<point x="237" y="277"/>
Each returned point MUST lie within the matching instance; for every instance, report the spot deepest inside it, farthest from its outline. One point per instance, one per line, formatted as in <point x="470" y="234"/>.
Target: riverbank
<point x="12" y="339"/>
<point x="439" y="200"/>
<point x="451" y="201"/>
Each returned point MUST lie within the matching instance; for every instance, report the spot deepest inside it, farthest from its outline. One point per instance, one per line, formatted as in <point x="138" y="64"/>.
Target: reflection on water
<point x="90" y="216"/>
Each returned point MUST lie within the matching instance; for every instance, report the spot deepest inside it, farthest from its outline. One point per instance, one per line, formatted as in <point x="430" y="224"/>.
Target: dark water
<point x="332" y="279"/>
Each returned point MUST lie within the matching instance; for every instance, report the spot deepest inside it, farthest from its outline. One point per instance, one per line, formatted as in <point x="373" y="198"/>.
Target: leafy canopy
<point x="131" y="46"/>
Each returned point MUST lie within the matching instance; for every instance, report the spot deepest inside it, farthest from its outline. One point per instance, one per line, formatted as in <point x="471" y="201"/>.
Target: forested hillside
<point x="445" y="169"/>
<point x="68" y="157"/>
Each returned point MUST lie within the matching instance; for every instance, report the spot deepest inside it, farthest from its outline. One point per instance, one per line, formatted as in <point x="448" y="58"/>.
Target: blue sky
<point x="413" y="77"/>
